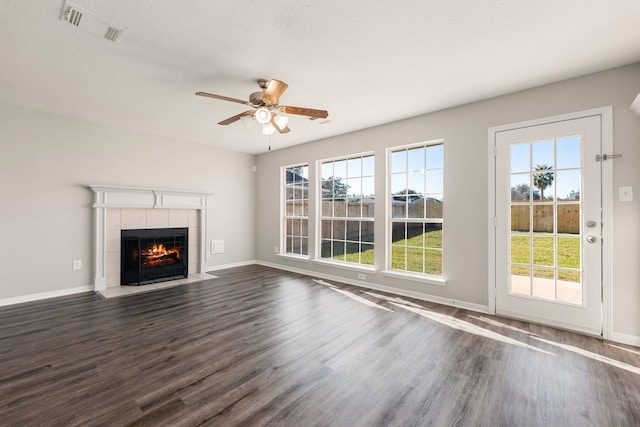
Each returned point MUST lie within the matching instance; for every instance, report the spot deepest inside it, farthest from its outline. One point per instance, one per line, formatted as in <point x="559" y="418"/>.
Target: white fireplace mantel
<point x="142" y="198"/>
<point x="146" y="198"/>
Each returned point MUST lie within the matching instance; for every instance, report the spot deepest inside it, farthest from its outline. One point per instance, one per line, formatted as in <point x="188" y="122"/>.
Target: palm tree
<point x="542" y="178"/>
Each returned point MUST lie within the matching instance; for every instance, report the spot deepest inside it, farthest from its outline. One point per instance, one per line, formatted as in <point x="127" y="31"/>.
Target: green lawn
<point x="568" y="253"/>
<point x="352" y="253"/>
<point x="366" y="257"/>
<point x="416" y="256"/>
<point x="429" y="260"/>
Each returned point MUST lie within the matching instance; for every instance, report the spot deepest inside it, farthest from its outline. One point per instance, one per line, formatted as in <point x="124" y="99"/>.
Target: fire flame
<point x="159" y="255"/>
<point x="158" y="250"/>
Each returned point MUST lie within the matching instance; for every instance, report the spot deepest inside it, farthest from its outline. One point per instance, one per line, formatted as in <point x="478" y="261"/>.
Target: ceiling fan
<point x="266" y="107"/>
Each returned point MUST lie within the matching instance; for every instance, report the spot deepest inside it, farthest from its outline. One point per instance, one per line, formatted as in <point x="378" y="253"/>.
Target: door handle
<point x="592" y="239"/>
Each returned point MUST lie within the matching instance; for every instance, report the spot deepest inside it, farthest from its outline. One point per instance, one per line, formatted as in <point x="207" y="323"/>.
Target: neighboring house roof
<point x="292" y="177"/>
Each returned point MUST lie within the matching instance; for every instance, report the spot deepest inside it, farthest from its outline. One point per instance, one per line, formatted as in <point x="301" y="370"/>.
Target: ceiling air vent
<point x="113" y="34"/>
<point x="90" y="22"/>
<point x="73" y="16"/>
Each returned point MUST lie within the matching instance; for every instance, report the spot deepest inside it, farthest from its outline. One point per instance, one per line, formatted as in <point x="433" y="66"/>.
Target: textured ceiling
<point x="367" y="62"/>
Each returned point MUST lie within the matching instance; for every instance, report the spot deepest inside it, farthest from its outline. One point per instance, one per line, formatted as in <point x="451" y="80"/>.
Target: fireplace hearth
<point x="153" y="255"/>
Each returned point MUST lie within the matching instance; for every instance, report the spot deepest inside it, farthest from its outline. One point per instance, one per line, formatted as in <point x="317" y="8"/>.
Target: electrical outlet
<point x="77" y="264"/>
<point x="362" y="276"/>
<point x="275" y="250"/>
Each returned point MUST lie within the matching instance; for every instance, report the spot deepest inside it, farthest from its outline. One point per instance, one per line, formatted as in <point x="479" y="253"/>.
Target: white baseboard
<point x="231" y="265"/>
<point x="626" y="338"/>
<point x="363" y="284"/>
<point x="45" y="295"/>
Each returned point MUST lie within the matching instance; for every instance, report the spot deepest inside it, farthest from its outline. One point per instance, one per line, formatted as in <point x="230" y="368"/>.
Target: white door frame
<point x="606" y="117"/>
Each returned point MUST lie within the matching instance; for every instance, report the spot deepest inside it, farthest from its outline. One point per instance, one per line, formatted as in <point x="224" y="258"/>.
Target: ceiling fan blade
<point x="278" y="128"/>
<point x="310" y="112"/>
<point x="223" y="98"/>
<point x="273" y="91"/>
<point x="235" y="118"/>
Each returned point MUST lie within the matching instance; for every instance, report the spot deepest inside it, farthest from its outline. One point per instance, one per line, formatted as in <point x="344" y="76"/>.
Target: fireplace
<point x="153" y="255"/>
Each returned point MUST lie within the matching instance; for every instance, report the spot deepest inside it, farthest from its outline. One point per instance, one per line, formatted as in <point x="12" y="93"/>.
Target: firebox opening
<point x="153" y="255"/>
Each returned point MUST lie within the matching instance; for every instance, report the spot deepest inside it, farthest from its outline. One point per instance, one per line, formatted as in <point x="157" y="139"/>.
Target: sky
<point x="562" y="154"/>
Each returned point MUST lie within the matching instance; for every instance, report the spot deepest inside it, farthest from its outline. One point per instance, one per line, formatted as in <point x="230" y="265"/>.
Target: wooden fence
<point x="542" y="215"/>
<point x="351" y="228"/>
<point x="568" y="218"/>
<point x="420" y="208"/>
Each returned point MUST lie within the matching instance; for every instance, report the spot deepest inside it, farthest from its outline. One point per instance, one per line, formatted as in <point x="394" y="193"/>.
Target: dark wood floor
<point x="259" y="346"/>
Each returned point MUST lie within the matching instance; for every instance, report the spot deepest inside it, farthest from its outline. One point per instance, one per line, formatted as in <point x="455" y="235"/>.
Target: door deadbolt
<point x="592" y="239"/>
<point x="592" y="224"/>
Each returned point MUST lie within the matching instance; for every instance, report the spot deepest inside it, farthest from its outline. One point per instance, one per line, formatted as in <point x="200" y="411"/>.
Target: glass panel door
<point x="548" y="224"/>
<point x="545" y="242"/>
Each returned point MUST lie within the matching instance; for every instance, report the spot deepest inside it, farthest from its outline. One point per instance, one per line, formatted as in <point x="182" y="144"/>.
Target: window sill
<point x="346" y="266"/>
<point x="416" y="277"/>
<point x="304" y="258"/>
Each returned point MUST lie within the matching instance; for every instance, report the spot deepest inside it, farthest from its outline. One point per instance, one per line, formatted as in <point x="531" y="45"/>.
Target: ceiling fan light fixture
<point x="281" y="121"/>
<point x="268" y="129"/>
<point x="262" y="115"/>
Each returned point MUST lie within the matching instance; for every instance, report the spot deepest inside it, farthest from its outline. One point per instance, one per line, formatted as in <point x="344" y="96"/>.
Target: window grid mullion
<point x="347" y="209"/>
<point x="295" y="182"/>
<point x="414" y="246"/>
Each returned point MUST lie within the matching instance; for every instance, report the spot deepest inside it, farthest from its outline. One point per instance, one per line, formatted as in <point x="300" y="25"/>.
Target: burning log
<point x="158" y="255"/>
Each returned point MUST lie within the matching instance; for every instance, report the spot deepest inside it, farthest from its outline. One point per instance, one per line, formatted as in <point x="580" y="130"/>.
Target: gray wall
<point x="46" y="219"/>
<point x="465" y="131"/>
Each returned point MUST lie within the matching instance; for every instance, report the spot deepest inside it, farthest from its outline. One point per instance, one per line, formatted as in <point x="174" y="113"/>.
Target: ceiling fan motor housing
<point x="256" y="98"/>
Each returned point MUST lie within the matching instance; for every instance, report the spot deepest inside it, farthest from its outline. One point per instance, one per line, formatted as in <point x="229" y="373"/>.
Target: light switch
<point x="625" y="194"/>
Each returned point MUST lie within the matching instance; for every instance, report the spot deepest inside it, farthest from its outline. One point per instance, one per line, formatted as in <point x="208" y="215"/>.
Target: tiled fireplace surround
<point x="123" y="208"/>
<point x="128" y="219"/>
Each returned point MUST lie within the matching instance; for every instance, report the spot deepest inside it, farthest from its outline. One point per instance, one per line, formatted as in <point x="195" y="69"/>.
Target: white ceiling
<point x="367" y="62"/>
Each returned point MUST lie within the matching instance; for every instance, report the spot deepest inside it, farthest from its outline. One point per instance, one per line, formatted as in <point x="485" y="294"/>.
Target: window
<point x="416" y="201"/>
<point x="347" y="203"/>
<point x="296" y="210"/>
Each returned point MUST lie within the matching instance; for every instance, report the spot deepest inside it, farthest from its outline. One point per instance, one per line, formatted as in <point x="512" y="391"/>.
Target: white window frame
<point x="283" y="212"/>
<point x="319" y="217"/>
<point x="404" y="274"/>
